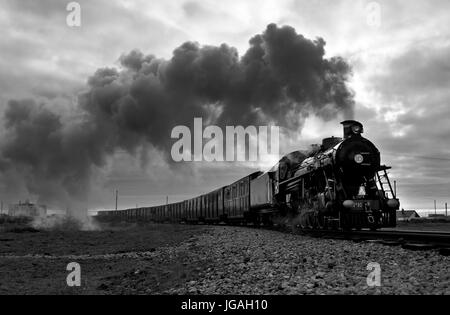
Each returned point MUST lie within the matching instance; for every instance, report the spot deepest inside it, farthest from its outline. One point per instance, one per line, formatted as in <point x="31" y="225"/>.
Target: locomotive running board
<point x="270" y="210"/>
<point x="384" y="168"/>
<point x="291" y="182"/>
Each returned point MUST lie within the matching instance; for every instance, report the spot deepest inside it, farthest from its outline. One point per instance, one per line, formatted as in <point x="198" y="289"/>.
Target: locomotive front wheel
<point x="303" y="222"/>
<point x="319" y="222"/>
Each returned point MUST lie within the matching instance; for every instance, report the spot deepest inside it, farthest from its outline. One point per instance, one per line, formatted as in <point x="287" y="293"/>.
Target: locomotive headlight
<point x="348" y="204"/>
<point x="393" y="203"/>
<point x="359" y="158"/>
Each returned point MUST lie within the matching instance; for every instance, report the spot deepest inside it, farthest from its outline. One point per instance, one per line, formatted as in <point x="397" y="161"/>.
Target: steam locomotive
<point x="337" y="185"/>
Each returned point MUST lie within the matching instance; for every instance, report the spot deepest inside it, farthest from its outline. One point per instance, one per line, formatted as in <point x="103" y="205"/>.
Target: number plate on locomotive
<point x="359" y="205"/>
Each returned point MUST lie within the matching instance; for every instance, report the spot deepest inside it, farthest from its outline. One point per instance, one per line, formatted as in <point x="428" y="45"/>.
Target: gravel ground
<point x="166" y="259"/>
<point x="249" y="261"/>
<point x="121" y="258"/>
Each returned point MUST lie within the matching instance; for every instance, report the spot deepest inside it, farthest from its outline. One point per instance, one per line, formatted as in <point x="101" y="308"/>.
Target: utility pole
<point x="117" y="193"/>
<point x="395" y="188"/>
<point x="167" y="200"/>
<point x="435" y="207"/>
<point x="445" y="209"/>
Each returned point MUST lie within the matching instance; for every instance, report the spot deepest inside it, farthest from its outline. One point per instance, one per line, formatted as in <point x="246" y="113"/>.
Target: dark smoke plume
<point x="281" y="79"/>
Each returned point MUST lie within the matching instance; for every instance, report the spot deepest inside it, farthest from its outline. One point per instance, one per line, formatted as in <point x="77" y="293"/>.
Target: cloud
<point x="45" y="60"/>
<point x="282" y="78"/>
<point x="421" y="69"/>
<point x="411" y="108"/>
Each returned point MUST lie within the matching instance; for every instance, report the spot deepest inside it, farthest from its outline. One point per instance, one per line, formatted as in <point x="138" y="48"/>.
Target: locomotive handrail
<point x="292" y="179"/>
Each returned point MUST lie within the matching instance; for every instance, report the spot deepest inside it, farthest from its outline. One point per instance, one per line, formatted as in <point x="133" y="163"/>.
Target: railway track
<point x="413" y="240"/>
<point x="408" y="239"/>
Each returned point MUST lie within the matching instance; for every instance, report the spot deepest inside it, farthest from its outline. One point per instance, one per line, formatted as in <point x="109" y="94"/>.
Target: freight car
<point x="337" y="185"/>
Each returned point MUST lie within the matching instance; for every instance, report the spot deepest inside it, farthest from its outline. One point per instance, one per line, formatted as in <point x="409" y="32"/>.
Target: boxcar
<point x="214" y="206"/>
<point x="237" y="198"/>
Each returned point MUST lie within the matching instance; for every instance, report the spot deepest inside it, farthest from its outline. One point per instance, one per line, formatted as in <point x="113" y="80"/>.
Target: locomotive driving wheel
<point x="308" y="220"/>
<point x="304" y="221"/>
<point x="319" y="221"/>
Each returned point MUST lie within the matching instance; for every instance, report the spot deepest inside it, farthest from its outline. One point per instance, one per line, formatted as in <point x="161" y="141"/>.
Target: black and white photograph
<point x="225" y="155"/>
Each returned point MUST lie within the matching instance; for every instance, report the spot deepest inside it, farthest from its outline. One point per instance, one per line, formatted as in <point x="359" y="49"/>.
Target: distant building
<point x="27" y="209"/>
<point x="434" y="215"/>
<point x="406" y="215"/>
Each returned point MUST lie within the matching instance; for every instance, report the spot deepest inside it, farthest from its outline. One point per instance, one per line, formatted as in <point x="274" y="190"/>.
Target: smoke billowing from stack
<point x="281" y="79"/>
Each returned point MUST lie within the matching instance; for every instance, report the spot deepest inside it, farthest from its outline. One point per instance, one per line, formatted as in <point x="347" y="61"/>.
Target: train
<point x="338" y="185"/>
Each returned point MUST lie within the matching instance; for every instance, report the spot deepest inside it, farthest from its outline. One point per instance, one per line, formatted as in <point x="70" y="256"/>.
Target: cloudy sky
<point x="400" y="64"/>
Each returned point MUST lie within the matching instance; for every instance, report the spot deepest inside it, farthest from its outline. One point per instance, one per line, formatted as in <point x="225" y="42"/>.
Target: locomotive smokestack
<point x="351" y="128"/>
